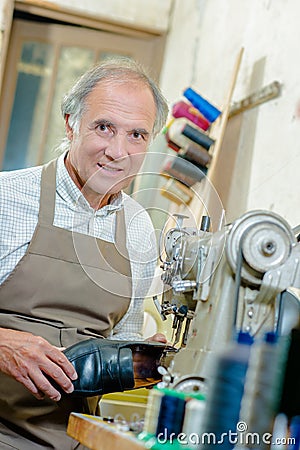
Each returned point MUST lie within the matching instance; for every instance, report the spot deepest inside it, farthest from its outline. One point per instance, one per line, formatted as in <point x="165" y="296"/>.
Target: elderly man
<point x="73" y="251"/>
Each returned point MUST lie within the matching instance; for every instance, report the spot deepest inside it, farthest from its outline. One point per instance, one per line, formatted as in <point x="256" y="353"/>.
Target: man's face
<point x="115" y="131"/>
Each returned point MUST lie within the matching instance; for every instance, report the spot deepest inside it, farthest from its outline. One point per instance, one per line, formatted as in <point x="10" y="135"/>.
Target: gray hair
<point x="117" y="69"/>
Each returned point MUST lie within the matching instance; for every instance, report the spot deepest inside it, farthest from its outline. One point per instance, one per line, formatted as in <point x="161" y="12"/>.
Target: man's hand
<point x="28" y="358"/>
<point x="157" y="337"/>
<point x="146" y="360"/>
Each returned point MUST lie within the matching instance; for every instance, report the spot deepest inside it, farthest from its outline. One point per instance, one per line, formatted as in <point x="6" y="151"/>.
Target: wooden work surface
<point x="96" y="434"/>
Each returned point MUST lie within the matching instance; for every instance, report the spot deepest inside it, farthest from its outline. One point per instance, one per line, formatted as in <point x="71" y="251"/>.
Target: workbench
<point x="96" y="434"/>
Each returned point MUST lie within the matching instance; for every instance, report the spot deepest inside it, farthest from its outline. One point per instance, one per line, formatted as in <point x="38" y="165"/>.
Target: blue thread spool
<point x="207" y="109"/>
<point x="171" y="415"/>
<point x="225" y="394"/>
<point x="295" y="434"/>
<point x="197" y="136"/>
<point x="180" y="129"/>
<point x="290" y="399"/>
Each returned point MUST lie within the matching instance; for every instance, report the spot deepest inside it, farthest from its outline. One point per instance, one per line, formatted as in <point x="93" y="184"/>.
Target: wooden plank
<point x="265" y="94"/>
<point x="225" y="114"/>
<point x="205" y="189"/>
<point x="96" y="434"/>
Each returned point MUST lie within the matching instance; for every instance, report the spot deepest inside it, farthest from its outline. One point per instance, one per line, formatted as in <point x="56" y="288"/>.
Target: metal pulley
<point x="265" y="241"/>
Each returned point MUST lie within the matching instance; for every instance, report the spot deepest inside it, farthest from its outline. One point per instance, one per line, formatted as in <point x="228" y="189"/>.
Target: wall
<point x="261" y="155"/>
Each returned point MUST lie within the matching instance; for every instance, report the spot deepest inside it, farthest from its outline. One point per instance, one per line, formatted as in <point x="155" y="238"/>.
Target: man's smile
<point x="109" y="167"/>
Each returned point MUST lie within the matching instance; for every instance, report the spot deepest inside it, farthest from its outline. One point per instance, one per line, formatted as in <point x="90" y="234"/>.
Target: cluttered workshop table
<point x="97" y="434"/>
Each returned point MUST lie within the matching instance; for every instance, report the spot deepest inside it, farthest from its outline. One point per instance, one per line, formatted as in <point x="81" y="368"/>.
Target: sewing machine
<point x="219" y="282"/>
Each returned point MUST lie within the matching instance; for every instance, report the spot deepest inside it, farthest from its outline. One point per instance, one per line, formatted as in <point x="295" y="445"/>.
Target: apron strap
<point x="120" y="233"/>
<point x="48" y="191"/>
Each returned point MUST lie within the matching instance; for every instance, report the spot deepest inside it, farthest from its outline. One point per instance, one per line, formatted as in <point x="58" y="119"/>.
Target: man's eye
<point x="103" y="127"/>
<point x="136" y="135"/>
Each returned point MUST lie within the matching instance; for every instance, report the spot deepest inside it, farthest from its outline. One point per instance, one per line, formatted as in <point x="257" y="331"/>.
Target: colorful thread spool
<point x="182" y="133"/>
<point x="207" y="109"/>
<point x="294" y="434"/>
<point x="173" y="145"/>
<point x="197" y="136"/>
<point x="183" y="109"/>
<point x="171" y="414"/>
<point x="225" y="393"/>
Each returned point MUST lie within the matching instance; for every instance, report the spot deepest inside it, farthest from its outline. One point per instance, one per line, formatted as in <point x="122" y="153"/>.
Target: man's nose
<point x="118" y="146"/>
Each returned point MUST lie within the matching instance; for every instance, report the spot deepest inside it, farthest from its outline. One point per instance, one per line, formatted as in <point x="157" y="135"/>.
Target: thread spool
<point x="181" y="128"/>
<point x="184" y="171"/>
<point x="191" y="150"/>
<point x="152" y="411"/>
<point x="193" y="418"/>
<point x="176" y="192"/>
<point x="173" y="145"/>
<point x="197" y="154"/>
<point x="207" y="109"/>
<point x="290" y="399"/>
<point x="197" y="136"/>
<point x="280" y="429"/>
<point x="225" y="393"/>
<point x="183" y="109"/>
<point x="202" y="168"/>
<point x="262" y="392"/>
<point x="294" y="430"/>
<point x="171" y="414"/>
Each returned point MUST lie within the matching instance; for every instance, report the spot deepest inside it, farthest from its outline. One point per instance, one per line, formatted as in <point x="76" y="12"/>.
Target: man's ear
<point x="69" y="130"/>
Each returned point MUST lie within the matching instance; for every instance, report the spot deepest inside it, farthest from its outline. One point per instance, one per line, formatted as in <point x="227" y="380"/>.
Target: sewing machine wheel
<point x="190" y="384"/>
<point x="266" y="241"/>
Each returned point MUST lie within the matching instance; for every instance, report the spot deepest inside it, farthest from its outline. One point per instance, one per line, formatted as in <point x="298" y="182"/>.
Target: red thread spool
<point x="183" y="109"/>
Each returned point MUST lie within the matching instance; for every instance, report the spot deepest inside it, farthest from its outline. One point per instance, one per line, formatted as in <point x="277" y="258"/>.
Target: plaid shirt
<point x="19" y="207"/>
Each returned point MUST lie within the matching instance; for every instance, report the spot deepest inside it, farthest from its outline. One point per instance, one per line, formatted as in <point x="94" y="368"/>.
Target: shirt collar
<point x="69" y="192"/>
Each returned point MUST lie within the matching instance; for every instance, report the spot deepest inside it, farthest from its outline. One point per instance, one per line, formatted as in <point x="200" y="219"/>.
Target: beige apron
<point x="60" y="290"/>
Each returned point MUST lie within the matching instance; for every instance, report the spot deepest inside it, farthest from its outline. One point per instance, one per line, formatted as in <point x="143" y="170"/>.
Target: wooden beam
<point x="265" y="94"/>
<point x="79" y="17"/>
